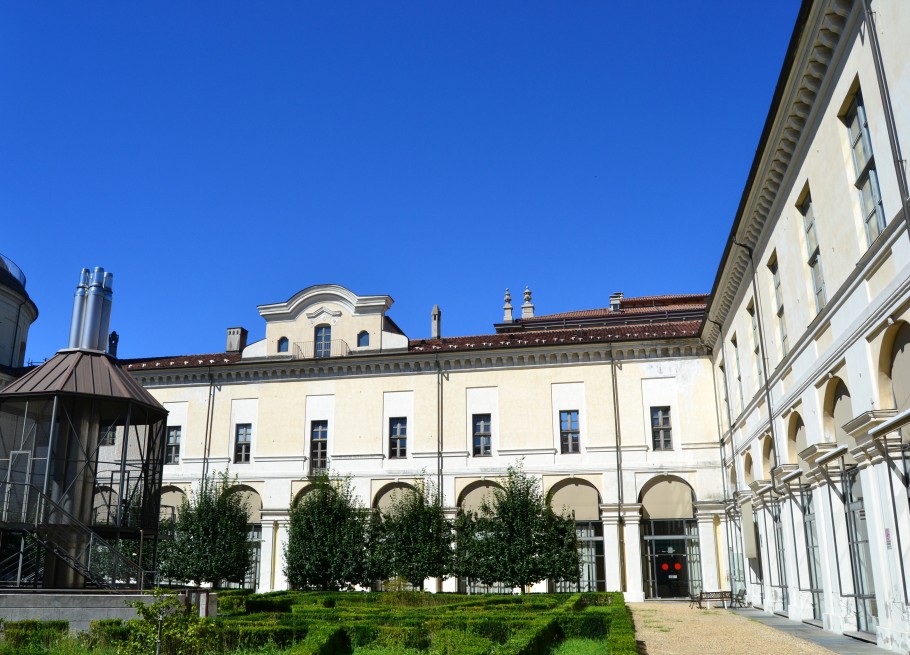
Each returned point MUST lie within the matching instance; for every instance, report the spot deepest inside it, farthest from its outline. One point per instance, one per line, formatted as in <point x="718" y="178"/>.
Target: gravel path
<point x="674" y="629"/>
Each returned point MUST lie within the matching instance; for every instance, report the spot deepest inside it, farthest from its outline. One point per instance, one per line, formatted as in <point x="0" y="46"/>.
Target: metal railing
<point x="9" y="265"/>
<point x="27" y="510"/>
<point x="320" y="349"/>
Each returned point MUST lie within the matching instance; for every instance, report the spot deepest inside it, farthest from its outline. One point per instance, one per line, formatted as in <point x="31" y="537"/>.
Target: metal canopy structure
<point x="81" y="454"/>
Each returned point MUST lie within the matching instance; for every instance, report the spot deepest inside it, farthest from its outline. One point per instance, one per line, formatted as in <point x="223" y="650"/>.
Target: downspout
<point x="900" y="165"/>
<point x="439" y="407"/>
<point x="621" y="518"/>
<point x="208" y="426"/>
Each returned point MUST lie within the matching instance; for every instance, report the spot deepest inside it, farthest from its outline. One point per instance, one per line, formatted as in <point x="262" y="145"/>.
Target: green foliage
<point x="621" y="640"/>
<point x="417" y="536"/>
<point x="327" y="538"/>
<point x="516" y="539"/>
<point x="211" y="536"/>
<point x="33" y="636"/>
<point x="182" y="632"/>
<point x="324" y="640"/>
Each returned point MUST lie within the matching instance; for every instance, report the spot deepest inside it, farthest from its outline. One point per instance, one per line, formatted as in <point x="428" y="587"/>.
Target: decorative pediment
<point x="323" y="315"/>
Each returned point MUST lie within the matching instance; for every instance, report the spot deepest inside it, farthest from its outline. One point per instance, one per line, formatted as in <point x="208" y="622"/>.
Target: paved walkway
<point x="672" y="628"/>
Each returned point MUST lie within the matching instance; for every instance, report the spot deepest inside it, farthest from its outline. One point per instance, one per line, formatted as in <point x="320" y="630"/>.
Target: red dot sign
<point x="677" y="566"/>
<point x="665" y="567"/>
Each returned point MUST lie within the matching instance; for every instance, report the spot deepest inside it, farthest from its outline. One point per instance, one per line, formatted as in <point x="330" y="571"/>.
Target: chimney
<point x="436" y="320"/>
<point x="112" y="342"/>
<point x="94" y="308"/>
<point x="78" y="310"/>
<point x="108" y="286"/>
<point x="616" y="301"/>
<point x="507" y="308"/>
<point x="527" y="309"/>
<point x="236" y="340"/>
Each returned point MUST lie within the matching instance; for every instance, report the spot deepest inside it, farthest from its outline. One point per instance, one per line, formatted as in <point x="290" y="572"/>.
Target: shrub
<point x="621" y="640"/>
<point x="459" y="642"/>
<point x="34" y="635"/>
<point x="323" y="640"/>
<point x="263" y="603"/>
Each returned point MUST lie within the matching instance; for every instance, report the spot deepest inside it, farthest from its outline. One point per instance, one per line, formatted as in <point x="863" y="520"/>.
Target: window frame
<point x="662" y="432"/>
<point x="364" y="337"/>
<point x="322" y="341"/>
<point x="756" y="343"/>
<point x="569" y="432"/>
<point x="774" y="267"/>
<point x="482" y="440"/>
<point x="813" y="251"/>
<point x="243" y="449"/>
<point x="284" y="345"/>
<point x="857" y="122"/>
<point x="319" y="446"/>
<point x="172" y="446"/>
<point x="398" y="437"/>
<point x="739" y="372"/>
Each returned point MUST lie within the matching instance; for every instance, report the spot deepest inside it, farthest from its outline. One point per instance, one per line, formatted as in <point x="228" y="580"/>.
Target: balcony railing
<point x="7" y="264"/>
<point x="320" y="349"/>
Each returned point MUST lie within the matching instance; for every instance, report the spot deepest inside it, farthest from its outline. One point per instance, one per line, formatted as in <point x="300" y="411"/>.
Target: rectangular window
<point x="756" y="344"/>
<point x="814" y="253"/>
<point x="107" y="435"/>
<point x="864" y="168"/>
<point x="172" y="448"/>
<point x="398" y="438"/>
<point x="779" y="302"/>
<point x="661" y="433"/>
<point x="482" y="435"/>
<point x="243" y="443"/>
<point x="568" y="431"/>
<point x="319" y="446"/>
<point x="738" y="372"/>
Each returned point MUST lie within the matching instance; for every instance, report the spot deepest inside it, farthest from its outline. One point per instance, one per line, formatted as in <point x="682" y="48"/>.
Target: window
<point x="398" y="438"/>
<point x="815" y="261"/>
<point x="779" y="302"/>
<point x="243" y="443"/>
<point x="283" y="345"/>
<point x="738" y="372"/>
<point x="864" y="167"/>
<point x="568" y="431"/>
<point x="756" y="344"/>
<point x="172" y="448"/>
<point x="482" y="435"/>
<point x="319" y="446"/>
<point x="107" y="435"/>
<point x="363" y="339"/>
<point x="323" y="341"/>
<point x="661" y="433"/>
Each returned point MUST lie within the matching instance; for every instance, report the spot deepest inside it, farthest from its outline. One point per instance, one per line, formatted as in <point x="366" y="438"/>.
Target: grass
<point x="581" y="646"/>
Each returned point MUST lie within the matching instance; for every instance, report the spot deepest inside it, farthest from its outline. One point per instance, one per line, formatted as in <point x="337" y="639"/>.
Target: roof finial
<point x="507" y="307"/>
<point x="527" y="309"/>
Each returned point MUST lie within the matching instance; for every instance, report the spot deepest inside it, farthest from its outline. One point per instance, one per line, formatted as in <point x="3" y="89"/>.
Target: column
<point x="610" y="519"/>
<point x="634" y="591"/>
<point x="705" y="512"/>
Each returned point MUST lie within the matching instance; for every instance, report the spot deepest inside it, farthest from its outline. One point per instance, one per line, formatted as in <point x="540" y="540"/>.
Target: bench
<point x="707" y="597"/>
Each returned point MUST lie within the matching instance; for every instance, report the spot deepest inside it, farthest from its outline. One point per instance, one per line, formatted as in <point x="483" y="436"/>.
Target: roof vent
<point x="236" y="340"/>
<point x="436" y="323"/>
<point x="616" y="301"/>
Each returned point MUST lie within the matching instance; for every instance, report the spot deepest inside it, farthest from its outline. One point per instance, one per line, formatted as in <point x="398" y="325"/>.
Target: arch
<point x="577" y="496"/>
<point x="104" y="505"/>
<point x="796" y="441"/>
<point x="171" y="501"/>
<point x="283" y="344"/>
<point x="838" y="412"/>
<point x="253" y="502"/>
<point x="748" y="469"/>
<point x="389" y="494"/>
<point x="894" y="367"/>
<point x="473" y="495"/>
<point x="767" y="456"/>
<point x="363" y="339"/>
<point x="666" y="497"/>
<point x="731" y="473"/>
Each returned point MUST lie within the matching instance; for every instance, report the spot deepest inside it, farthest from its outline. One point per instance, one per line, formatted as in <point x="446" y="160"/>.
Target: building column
<point x="631" y="531"/>
<point x="610" y="518"/>
<point x="266" y="565"/>
<point x="705" y="514"/>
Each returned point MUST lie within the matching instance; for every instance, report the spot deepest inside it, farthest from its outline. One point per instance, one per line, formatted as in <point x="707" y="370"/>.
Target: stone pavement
<point x="830" y="640"/>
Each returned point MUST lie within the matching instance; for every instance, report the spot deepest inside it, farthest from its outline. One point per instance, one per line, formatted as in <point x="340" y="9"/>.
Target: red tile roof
<point x="640" y="305"/>
<point x="179" y="361"/>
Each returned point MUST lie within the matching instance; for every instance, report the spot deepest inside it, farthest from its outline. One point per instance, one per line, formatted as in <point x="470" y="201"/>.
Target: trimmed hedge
<point x="621" y="640"/>
<point x="32" y="634"/>
<point x="324" y="640"/>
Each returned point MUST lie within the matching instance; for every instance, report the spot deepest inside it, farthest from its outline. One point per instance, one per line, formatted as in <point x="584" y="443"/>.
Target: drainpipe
<point x="622" y="520"/>
<point x="439" y="407"/>
<point x="209" y="418"/>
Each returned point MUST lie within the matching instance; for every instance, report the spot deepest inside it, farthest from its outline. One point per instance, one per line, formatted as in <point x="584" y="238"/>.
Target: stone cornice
<point x="811" y="59"/>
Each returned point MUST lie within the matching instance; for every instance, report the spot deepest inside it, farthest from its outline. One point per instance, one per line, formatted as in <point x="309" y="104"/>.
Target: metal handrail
<point x="66" y="536"/>
<point x="318" y="350"/>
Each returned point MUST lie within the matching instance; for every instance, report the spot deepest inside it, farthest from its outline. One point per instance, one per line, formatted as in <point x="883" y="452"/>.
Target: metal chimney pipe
<point x="106" y="311"/>
<point x="78" y="309"/>
<point x="91" y="324"/>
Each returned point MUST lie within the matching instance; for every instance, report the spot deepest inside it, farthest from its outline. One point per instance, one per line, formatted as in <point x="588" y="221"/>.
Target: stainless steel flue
<point x="78" y="310"/>
<point x="106" y="311"/>
<point x="94" y="304"/>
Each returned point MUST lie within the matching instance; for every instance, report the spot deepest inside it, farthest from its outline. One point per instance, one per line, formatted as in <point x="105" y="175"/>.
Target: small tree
<point x="211" y="541"/>
<point x="327" y="538"/>
<point x="417" y="535"/>
<point x="524" y="541"/>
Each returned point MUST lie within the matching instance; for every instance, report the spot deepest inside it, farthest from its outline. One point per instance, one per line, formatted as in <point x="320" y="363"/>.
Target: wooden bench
<point x="707" y="597"/>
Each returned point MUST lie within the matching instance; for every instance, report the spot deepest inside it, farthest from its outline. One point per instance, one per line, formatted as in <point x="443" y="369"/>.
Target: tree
<point x="518" y="538"/>
<point x="327" y="538"/>
<point x="211" y="536"/>
<point x="417" y="535"/>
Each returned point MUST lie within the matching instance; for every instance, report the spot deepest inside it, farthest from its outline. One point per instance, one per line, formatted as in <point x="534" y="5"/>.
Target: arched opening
<point x="283" y="345"/>
<point x="474" y="494"/>
<point x="748" y="469"/>
<point x="253" y="502"/>
<point x="796" y="441"/>
<point x="389" y="495"/>
<point x="582" y="500"/>
<point x="839" y="412"/>
<point x="363" y="339"/>
<point x="104" y="506"/>
<point x="767" y="456"/>
<point x="171" y="500"/>
<point x="670" y="535"/>
<point x="895" y="381"/>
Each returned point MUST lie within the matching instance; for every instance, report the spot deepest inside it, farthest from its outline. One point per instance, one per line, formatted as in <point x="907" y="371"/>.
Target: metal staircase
<point x="43" y="527"/>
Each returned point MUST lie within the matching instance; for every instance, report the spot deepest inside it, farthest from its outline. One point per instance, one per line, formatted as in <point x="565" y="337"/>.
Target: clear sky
<point x="220" y="155"/>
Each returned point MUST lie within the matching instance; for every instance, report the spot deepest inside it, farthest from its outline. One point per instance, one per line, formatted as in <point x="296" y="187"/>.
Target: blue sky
<point x="219" y="155"/>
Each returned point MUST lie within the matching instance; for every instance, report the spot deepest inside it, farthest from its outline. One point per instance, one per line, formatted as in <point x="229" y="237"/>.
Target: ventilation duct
<point x="91" y="310"/>
<point x="78" y="309"/>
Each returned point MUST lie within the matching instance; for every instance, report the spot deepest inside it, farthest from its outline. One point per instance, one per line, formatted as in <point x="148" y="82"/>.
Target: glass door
<point x="860" y="555"/>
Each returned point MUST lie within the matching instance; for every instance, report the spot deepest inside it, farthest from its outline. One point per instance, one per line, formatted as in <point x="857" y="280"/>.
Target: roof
<point x="641" y="305"/>
<point x="174" y="361"/>
<point x="81" y="373"/>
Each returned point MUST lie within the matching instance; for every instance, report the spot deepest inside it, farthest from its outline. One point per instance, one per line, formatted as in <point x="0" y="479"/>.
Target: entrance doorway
<point x="671" y="563"/>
